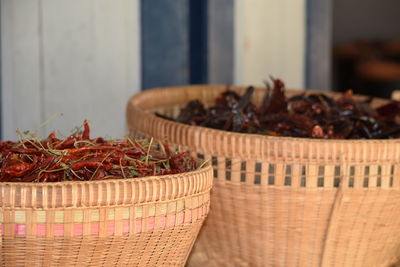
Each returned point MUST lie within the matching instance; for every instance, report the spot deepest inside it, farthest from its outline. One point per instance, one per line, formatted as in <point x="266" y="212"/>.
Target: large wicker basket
<point x="284" y="201"/>
<point x="150" y="221"/>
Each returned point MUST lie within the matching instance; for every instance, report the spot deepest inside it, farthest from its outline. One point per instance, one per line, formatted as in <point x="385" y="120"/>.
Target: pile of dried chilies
<point x="308" y="115"/>
<point x="80" y="158"/>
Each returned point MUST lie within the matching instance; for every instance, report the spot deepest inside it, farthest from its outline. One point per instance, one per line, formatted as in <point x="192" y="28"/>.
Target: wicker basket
<point x="151" y="221"/>
<point x="280" y="201"/>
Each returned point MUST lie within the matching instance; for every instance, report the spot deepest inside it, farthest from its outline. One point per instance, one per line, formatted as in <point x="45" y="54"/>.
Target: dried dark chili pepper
<point x="192" y="112"/>
<point x="390" y="110"/>
<point x="304" y="115"/>
<point x="277" y="101"/>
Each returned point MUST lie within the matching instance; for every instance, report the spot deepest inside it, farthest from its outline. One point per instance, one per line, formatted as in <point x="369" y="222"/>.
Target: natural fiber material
<point x="280" y="201"/>
<point x="151" y="221"/>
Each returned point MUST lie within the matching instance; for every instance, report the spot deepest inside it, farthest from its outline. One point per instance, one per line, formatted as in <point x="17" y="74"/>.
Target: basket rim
<point x="132" y="101"/>
<point x="203" y="169"/>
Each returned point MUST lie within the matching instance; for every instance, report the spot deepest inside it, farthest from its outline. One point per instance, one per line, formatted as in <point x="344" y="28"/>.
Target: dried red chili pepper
<point x="182" y="161"/>
<point x="86" y="130"/>
<point x="79" y="158"/>
<point x="87" y="163"/>
<point x="18" y="169"/>
<point x="90" y="148"/>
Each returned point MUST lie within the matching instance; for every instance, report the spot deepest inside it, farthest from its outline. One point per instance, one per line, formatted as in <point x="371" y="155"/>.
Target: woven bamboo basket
<point x="280" y="201"/>
<point x="151" y="221"/>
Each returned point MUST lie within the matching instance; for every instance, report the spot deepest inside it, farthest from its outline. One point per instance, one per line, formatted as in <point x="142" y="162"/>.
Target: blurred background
<point x="85" y="58"/>
<point x="366" y="46"/>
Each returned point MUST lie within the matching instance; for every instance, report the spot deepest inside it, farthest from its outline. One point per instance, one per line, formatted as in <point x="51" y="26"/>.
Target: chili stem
<point x="148" y="151"/>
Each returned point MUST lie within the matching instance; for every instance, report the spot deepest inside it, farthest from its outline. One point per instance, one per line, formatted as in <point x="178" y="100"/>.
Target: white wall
<point x="269" y="40"/>
<point x="79" y="58"/>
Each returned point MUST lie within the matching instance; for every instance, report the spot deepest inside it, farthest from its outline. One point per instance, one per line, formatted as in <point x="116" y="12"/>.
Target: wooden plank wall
<point x="270" y="40"/>
<point x="85" y="58"/>
<point x="78" y="58"/>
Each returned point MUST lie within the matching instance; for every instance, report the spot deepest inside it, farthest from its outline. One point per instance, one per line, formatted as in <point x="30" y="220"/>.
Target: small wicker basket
<point x="280" y="201"/>
<point x="151" y="221"/>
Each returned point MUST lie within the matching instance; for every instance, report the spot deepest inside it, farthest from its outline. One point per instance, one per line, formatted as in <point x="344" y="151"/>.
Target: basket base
<point x="246" y="228"/>
<point x="164" y="247"/>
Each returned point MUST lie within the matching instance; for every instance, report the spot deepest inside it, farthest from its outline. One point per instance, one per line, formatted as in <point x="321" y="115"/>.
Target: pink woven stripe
<point x="41" y="229"/>
<point x="110" y="228"/>
<point x="189" y="217"/>
<point x="94" y="226"/>
<point x="58" y="229"/>
<point x="78" y="229"/>
<point x="163" y="222"/>
<point x="180" y="217"/>
<point x="138" y="226"/>
<point x="125" y="226"/>
<point x="20" y="229"/>
<point x="150" y="224"/>
<point x="169" y="220"/>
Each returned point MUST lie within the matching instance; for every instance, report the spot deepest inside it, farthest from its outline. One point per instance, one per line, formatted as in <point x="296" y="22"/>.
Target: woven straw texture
<point x="151" y="221"/>
<point x="280" y="201"/>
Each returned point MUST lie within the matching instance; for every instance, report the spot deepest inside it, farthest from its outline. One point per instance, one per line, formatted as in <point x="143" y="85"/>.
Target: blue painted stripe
<point x="198" y="41"/>
<point x="318" y="45"/>
<point x="220" y="41"/>
<point x="164" y="42"/>
<point x="186" y="41"/>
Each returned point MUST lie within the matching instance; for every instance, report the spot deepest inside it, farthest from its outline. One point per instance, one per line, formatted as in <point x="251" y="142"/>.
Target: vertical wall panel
<point x="165" y="42"/>
<point x="220" y="41"/>
<point x="319" y="45"/>
<point x="198" y="41"/>
<point x="88" y="66"/>
<point x="69" y="67"/>
<point x="21" y="102"/>
<point x="270" y="40"/>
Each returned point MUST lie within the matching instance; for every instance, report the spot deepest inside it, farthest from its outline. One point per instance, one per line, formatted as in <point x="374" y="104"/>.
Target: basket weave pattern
<point x="140" y="222"/>
<point x="284" y="201"/>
